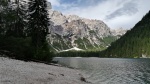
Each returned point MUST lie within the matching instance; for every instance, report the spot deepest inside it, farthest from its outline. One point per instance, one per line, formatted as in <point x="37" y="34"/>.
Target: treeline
<point x="23" y="29"/>
<point x="78" y="54"/>
<point x="135" y="43"/>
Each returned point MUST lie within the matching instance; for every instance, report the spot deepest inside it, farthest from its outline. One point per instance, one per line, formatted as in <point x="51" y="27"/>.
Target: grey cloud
<point x="127" y="9"/>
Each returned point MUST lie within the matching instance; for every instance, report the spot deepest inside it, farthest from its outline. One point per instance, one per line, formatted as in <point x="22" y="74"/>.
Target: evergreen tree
<point x="17" y="25"/>
<point x="3" y="9"/>
<point x="38" y="23"/>
<point x="13" y="28"/>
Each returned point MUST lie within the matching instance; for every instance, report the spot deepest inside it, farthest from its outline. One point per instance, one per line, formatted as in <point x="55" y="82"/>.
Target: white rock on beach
<point x="20" y="72"/>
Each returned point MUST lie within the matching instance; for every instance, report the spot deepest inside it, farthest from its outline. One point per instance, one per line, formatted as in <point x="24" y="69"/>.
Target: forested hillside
<point x="135" y="43"/>
<point x="23" y="29"/>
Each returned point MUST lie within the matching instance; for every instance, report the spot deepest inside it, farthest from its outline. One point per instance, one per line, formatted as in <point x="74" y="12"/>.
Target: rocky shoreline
<point x="19" y="72"/>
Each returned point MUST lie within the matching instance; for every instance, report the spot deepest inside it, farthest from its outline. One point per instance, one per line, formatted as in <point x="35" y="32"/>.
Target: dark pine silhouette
<point x="38" y="22"/>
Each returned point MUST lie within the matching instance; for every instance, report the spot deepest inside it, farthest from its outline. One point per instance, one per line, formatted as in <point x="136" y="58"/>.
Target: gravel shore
<point x="19" y="72"/>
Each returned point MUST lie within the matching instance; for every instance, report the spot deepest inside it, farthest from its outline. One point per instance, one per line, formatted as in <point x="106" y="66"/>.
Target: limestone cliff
<point x="74" y="31"/>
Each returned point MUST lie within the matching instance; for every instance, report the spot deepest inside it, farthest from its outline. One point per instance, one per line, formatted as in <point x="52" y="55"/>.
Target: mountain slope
<point x="135" y="43"/>
<point x="73" y="31"/>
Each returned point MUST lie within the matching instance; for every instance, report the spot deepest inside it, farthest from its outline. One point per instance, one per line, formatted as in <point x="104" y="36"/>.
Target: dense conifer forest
<point x="134" y="44"/>
<point x="23" y="30"/>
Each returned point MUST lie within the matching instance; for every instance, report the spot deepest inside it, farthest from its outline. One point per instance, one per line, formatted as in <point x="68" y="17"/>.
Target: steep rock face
<point x="118" y="32"/>
<point x="74" y="31"/>
<point x="75" y="27"/>
<point x="99" y="27"/>
<point x="72" y="17"/>
<point x="96" y="25"/>
<point x="57" y="17"/>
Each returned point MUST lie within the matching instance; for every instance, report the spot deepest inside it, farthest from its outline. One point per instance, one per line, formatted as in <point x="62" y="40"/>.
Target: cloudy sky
<point x="115" y="13"/>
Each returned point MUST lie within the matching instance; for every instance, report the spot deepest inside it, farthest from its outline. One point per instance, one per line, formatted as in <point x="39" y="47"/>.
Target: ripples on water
<point x="111" y="70"/>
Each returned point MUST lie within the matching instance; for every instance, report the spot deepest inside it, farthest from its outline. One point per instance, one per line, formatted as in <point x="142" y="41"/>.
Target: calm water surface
<point x="111" y="70"/>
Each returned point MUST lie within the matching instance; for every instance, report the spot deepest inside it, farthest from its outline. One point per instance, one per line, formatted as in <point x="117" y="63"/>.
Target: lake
<point x="110" y="70"/>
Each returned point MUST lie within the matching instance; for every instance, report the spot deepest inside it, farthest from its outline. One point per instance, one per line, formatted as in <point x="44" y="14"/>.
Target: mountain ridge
<point x="70" y="31"/>
<point x="134" y="44"/>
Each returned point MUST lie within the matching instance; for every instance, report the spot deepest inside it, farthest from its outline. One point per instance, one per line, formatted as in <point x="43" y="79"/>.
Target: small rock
<point x="62" y="74"/>
<point x="83" y="79"/>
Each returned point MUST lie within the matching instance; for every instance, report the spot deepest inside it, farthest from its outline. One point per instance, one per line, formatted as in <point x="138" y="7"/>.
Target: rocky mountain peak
<point x="118" y="31"/>
<point x="57" y="17"/>
<point x="49" y="6"/>
<point x="72" y="17"/>
<point x="73" y="31"/>
<point x="76" y="27"/>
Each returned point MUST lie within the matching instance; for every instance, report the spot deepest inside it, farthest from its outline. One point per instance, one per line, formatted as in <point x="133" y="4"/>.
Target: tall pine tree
<point x="17" y="25"/>
<point x="38" y="24"/>
<point x="38" y="21"/>
<point x="13" y="21"/>
<point x="3" y="13"/>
